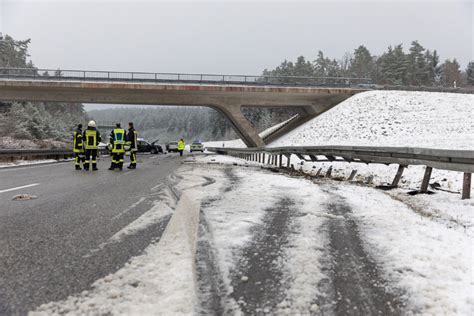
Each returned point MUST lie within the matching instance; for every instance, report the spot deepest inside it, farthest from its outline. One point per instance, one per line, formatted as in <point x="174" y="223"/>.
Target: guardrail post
<point x="398" y="176"/>
<point x="352" y="175"/>
<point x="328" y="173"/>
<point x="426" y="180"/>
<point x="466" y="186"/>
<point x="280" y="160"/>
<point x="288" y="160"/>
<point x="269" y="159"/>
<point x="263" y="157"/>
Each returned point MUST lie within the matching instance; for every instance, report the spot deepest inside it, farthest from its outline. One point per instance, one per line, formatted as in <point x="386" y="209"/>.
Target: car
<point x="144" y="146"/>
<point x="197" y="146"/>
<point x="172" y="146"/>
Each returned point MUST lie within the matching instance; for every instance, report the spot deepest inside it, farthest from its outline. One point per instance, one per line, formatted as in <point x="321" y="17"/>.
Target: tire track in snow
<point x="258" y="280"/>
<point x="356" y="287"/>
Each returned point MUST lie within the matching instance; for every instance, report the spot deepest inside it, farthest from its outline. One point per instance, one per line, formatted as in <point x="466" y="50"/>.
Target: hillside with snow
<point x="392" y="118"/>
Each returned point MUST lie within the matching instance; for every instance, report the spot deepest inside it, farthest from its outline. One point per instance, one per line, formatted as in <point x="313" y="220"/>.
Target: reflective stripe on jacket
<point x="117" y="139"/>
<point x="91" y="138"/>
<point x="78" y="144"/>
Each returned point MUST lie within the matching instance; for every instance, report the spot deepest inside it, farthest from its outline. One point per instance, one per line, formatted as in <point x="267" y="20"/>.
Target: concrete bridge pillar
<point x="242" y="126"/>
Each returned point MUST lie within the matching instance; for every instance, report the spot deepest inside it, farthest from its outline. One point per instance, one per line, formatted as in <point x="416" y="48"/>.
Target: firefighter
<point x="132" y="140"/>
<point x="117" y="144"/>
<point x="78" y="147"/>
<point x="181" y="146"/>
<point x="91" y="138"/>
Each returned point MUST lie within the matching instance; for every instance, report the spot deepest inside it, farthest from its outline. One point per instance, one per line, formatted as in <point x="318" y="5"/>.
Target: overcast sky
<point x="228" y="37"/>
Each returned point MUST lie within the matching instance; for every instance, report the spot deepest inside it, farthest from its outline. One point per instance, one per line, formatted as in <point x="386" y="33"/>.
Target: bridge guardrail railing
<point x="453" y="160"/>
<point x="120" y="76"/>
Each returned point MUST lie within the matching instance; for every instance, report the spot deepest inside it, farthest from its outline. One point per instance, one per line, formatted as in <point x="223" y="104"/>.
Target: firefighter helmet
<point x="91" y="124"/>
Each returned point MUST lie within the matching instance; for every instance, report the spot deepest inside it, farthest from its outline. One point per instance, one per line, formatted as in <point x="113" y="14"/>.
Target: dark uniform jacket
<point x="78" y="145"/>
<point x="132" y="137"/>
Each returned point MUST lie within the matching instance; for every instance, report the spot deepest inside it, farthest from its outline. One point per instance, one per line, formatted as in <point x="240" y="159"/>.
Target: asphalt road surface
<point x="46" y="242"/>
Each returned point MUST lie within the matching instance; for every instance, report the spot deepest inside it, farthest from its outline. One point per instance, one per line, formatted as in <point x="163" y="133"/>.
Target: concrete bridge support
<point x="242" y="126"/>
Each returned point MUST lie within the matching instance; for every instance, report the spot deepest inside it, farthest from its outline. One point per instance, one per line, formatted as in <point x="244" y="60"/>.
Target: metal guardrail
<point x="93" y="75"/>
<point x="31" y="154"/>
<point x="454" y="160"/>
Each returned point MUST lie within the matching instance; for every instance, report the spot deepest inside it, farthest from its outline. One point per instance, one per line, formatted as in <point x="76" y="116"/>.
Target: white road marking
<point x="19" y="188"/>
<point x="129" y="208"/>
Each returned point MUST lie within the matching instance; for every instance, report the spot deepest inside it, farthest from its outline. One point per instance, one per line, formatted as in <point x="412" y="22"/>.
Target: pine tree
<point x="362" y="65"/>
<point x="470" y="73"/>
<point x="416" y="65"/>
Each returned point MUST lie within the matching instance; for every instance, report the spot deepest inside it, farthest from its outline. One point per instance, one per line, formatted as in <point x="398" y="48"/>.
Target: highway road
<point x="48" y="244"/>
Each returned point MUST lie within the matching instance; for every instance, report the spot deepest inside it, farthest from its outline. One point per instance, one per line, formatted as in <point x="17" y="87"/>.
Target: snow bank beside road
<point x="21" y="163"/>
<point x="432" y="263"/>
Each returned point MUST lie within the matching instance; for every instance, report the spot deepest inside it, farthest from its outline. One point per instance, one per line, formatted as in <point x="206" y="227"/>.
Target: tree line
<point x="416" y="67"/>
<point x="34" y="120"/>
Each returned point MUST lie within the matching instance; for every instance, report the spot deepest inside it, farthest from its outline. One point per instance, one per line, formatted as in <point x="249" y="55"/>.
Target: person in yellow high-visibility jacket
<point x="181" y="146"/>
<point x="78" y="147"/>
<point x="117" y="141"/>
<point x="91" y="138"/>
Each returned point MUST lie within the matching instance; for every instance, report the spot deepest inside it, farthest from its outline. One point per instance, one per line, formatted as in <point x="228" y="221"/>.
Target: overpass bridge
<point x="308" y="96"/>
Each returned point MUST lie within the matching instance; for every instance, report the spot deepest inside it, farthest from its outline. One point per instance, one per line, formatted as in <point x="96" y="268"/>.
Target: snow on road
<point x="427" y="261"/>
<point x="240" y="209"/>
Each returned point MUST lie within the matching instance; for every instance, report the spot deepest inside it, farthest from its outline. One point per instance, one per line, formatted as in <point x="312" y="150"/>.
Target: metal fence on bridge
<point x="151" y="77"/>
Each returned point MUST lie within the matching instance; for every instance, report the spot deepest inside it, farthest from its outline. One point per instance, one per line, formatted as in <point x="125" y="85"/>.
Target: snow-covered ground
<point x="7" y="142"/>
<point x="392" y="118"/>
<point x="427" y="258"/>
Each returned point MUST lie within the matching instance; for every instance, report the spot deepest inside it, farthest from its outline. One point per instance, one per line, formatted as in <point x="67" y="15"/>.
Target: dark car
<point x="145" y="147"/>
